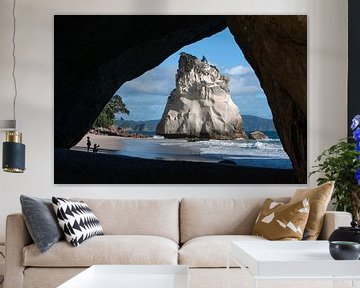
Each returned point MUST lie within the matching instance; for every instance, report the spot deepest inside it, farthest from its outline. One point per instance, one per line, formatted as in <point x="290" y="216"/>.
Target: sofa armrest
<point x="333" y="220"/>
<point x="17" y="237"/>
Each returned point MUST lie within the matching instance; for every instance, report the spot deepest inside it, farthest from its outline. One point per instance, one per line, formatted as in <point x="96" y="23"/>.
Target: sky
<point x="146" y="96"/>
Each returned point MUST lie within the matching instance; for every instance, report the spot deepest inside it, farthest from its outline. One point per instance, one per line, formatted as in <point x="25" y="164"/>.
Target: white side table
<point x="131" y="276"/>
<point x="293" y="263"/>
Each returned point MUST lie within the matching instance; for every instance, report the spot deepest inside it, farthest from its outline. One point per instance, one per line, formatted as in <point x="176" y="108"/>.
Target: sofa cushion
<point x="279" y="221"/>
<point x="200" y="217"/>
<point x="76" y="220"/>
<point x="41" y="221"/>
<point x="107" y="249"/>
<point x="319" y="198"/>
<point x="159" y="217"/>
<point x="211" y="251"/>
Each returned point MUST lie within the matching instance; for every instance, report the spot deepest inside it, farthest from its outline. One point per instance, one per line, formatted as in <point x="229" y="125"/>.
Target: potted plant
<point x="341" y="163"/>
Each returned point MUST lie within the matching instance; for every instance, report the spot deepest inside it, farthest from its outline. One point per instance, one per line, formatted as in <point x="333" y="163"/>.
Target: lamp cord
<point x="14" y="60"/>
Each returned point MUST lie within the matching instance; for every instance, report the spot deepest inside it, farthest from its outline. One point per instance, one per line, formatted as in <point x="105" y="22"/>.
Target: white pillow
<point x="76" y="220"/>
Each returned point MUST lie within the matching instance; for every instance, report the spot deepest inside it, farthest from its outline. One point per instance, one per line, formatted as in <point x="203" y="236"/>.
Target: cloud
<point x="158" y="81"/>
<point x="145" y="108"/>
<point x="146" y="96"/>
<point x="246" y="92"/>
<point x="240" y="86"/>
<point x="239" y="70"/>
<point x="243" y="80"/>
<point x="253" y="105"/>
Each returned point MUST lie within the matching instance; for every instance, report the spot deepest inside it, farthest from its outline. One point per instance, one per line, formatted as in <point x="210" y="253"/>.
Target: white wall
<point x="327" y="95"/>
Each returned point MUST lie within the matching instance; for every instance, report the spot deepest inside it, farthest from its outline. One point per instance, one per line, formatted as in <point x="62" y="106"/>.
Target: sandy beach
<point x="105" y="142"/>
<point x="127" y="146"/>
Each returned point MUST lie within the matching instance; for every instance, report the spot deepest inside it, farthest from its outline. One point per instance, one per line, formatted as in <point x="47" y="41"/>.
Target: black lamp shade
<point x="13" y="157"/>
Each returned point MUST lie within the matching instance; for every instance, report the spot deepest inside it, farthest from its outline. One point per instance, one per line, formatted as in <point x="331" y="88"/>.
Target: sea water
<point x="267" y="153"/>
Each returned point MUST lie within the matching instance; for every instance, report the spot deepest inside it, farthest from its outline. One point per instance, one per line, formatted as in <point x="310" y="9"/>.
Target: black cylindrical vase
<point x="13" y="153"/>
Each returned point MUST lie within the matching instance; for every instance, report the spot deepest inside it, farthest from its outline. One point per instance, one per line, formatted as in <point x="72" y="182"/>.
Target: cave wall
<point x="327" y="90"/>
<point x="276" y="48"/>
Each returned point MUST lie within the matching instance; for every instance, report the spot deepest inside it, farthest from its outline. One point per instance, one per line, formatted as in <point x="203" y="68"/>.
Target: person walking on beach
<point x="88" y="144"/>
<point x="96" y="148"/>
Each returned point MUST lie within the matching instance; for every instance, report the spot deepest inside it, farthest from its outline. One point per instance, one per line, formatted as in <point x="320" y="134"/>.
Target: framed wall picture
<point x="354" y="63"/>
<point x="180" y="99"/>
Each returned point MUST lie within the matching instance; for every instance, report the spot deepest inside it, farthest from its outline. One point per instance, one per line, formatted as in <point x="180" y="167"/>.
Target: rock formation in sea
<point x="200" y="105"/>
<point x="258" y="135"/>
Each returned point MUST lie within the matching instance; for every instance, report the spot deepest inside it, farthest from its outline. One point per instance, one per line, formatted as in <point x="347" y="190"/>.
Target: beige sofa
<point x="194" y="232"/>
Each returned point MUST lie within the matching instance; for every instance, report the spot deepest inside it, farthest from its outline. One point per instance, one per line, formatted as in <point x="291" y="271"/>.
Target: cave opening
<point x="146" y="98"/>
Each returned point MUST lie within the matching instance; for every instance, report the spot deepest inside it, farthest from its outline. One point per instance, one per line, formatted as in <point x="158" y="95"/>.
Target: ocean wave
<point x="247" y="154"/>
<point x="158" y="137"/>
<point x="264" y="153"/>
<point x="265" y="149"/>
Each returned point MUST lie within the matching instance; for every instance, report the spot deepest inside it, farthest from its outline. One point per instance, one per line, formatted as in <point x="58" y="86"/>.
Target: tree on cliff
<point x="107" y="116"/>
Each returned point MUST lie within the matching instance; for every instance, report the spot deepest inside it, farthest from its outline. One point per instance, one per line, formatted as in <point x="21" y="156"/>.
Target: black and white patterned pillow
<point x="77" y="220"/>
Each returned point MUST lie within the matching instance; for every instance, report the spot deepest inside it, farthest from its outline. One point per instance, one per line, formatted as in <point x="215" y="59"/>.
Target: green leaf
<point x="338" y="163"/>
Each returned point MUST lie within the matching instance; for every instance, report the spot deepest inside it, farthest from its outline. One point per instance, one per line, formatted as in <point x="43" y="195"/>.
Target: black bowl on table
<point x="344" y="250"/>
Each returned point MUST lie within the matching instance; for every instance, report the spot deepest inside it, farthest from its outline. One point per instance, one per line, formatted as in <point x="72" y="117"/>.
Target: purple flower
<point x="355" y="126"/>
<point x="357" y="176"/>
<point x="356" y="134"/>
<point x="355" y="122"/>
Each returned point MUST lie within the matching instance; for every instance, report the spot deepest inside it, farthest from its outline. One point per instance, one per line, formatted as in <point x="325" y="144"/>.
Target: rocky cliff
<point x="200" y="105"/>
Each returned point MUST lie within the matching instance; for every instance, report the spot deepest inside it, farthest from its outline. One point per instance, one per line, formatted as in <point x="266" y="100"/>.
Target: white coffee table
<point x="293" y="260"/>
<point x="131" y="276"/>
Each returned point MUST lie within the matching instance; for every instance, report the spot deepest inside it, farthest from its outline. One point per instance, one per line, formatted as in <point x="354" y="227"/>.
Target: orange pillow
<point x="279" y="221"/>
<point x="319" y="198"/>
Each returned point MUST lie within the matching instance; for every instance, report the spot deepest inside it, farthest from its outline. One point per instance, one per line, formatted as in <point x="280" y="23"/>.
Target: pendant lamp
<point x="13" y="160"/>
